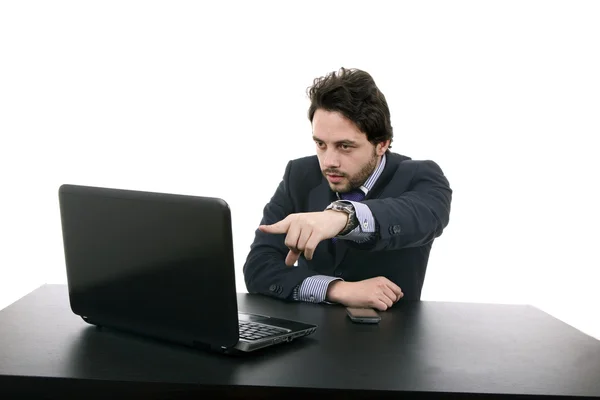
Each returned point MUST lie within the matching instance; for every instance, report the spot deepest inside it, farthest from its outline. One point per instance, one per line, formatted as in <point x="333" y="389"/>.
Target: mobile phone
<point x="363" y="315"/>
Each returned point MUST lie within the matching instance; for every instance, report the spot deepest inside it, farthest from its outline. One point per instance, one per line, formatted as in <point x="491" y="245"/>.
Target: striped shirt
<point x="314" y="289"/>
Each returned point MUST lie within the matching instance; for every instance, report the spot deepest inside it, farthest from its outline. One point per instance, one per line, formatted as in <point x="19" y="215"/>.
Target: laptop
<point x="160" y="265"/>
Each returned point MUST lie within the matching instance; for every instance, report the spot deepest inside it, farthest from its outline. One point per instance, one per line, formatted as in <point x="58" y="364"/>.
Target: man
<point x="358" y="219"/>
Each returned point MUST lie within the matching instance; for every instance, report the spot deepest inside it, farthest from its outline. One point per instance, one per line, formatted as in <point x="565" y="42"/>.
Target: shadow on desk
<point x="106" y="363"/>
<point x="130" y="353"/>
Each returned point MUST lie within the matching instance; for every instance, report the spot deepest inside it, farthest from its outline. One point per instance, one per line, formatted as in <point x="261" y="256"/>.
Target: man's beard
<point x="357" y="180"/>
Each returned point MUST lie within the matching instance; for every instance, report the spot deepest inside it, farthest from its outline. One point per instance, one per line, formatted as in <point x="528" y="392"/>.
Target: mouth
<point x="334" y="178"/>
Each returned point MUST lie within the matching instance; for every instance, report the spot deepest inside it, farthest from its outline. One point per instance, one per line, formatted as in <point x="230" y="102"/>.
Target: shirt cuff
<point x="366" y="224"/>
<point x="313" y="289"/>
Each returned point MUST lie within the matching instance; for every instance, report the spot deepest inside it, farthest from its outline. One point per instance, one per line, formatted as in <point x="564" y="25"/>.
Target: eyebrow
<point x="346" y="142"/>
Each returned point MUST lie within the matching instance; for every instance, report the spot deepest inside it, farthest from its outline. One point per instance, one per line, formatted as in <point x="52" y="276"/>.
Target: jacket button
<point x="273" y="288"/>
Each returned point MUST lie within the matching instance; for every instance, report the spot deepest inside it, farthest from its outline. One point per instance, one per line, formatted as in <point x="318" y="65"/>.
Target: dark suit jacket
<point x="411" y="205"/>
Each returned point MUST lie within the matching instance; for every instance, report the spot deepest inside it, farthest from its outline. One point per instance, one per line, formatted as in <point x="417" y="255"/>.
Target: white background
<point x="208" y="98"/>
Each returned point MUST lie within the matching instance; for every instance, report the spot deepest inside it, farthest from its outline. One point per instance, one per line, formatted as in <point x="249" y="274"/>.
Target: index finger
<point x="278" y="227"/>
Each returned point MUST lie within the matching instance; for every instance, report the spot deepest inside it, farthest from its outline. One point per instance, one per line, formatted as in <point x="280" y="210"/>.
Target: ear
<point x="382" y="147"/>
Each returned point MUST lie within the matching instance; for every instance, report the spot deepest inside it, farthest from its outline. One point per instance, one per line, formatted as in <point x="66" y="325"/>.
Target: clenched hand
<point x="306" y="230"/>
<point x="379" y="293"/>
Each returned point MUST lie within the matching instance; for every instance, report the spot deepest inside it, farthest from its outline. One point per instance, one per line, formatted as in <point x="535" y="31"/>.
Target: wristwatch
<point x="348" y="208"/>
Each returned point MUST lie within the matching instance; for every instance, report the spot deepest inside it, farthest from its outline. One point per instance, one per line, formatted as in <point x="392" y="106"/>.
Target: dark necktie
<point x="354" y="195"/>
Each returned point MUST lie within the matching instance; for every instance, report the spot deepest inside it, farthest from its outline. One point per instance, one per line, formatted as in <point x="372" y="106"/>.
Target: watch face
<point x="341" y="207"/>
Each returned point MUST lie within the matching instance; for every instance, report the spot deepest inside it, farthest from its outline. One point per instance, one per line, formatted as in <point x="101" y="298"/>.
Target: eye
<point x="320" y="144"/>
<point x="345" y="147"/>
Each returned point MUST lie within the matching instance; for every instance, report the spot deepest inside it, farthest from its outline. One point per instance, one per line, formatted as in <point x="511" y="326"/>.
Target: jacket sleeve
<point x="415" y="217"/>
<point x="265" y="271"/>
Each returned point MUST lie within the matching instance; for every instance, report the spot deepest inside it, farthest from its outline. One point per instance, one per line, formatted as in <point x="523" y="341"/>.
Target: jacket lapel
<point x="391" y="165"/>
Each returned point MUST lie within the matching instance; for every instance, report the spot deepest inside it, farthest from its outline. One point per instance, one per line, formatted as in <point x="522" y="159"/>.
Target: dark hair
<point x="353" y="93"/>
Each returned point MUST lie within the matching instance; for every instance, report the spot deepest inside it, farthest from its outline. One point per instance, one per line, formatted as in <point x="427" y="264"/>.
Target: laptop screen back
<point x="152" y="260"/>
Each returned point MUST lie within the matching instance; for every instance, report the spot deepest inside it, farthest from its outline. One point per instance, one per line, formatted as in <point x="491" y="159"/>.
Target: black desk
<point x="417" y="348"/>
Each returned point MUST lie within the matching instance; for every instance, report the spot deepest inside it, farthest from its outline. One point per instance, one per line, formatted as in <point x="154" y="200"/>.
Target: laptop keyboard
<point x="254" y="331"/>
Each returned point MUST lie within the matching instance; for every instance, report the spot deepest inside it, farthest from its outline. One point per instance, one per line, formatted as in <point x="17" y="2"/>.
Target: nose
<point x="331" y="159"/>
